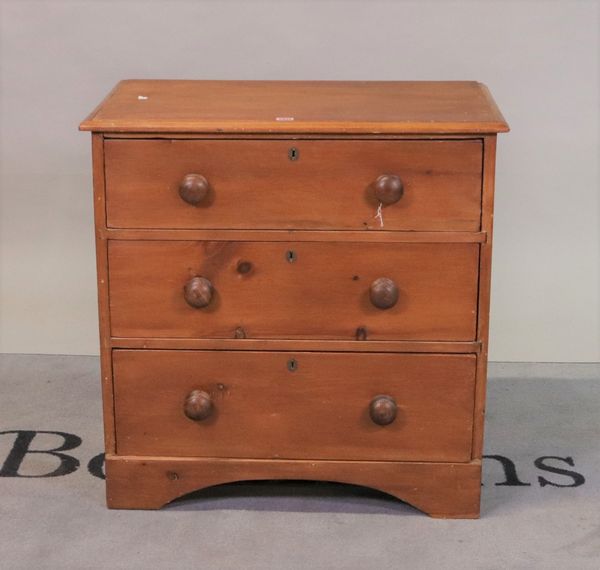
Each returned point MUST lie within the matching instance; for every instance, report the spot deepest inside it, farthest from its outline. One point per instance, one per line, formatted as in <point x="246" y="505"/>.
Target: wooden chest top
<point x="354" y="107"/>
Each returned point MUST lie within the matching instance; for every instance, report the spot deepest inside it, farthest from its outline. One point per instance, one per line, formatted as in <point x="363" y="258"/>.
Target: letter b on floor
<point x="21" y="448"/>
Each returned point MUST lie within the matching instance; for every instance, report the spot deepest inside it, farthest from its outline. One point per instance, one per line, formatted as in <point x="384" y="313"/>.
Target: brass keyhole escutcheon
<point x="292" y="365"/>
<point x="291" y="255"/>
<point x="293" y="153"/>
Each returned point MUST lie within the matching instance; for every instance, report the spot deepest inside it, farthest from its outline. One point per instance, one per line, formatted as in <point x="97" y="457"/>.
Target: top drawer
<point x="302" y="184"/>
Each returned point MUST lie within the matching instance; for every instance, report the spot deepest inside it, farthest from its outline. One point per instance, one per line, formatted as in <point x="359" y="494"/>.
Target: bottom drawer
<point x="294" y="405"/>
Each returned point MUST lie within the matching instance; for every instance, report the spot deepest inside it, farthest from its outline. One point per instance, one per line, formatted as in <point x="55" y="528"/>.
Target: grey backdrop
<point x="539" y="58"/>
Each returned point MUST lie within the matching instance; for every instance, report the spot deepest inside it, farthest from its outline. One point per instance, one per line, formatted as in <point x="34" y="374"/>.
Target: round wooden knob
<point x="193" y="188"/>
<point x="198" y="405"/>
<point x="383" y="410"/>
<point x="198" y="292"/>
<point x="388" y="188"/>
<point x="384" y="293"/>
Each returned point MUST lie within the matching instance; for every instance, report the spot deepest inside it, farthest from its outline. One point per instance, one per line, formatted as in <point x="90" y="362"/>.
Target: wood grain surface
<point x="317" y="409"/>
<point x="331" y="184"/>
<point x="485" y="282"/>
<point x="322" y="294"/>
<point x="442" y="490"/>
<point x="294" y="235"/>
<point x="297" y="107"/>
<point x="106" y="374"/>
<point x="355" y="345"/>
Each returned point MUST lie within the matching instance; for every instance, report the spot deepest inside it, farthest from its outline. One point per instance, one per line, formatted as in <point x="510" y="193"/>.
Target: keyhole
<point x="292" y="365"/>
<point x="291" y="256"/>
<point x="293" y="153"/>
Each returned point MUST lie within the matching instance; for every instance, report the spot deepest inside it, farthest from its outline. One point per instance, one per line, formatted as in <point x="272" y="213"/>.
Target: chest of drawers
<point x="294" y="283"/>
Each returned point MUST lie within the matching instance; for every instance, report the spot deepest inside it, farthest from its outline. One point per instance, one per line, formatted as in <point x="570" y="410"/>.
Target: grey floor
<point x="541" y="418"/>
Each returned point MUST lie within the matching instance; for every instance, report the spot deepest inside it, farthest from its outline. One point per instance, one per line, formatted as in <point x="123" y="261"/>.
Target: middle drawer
<point x="294" y="290"/>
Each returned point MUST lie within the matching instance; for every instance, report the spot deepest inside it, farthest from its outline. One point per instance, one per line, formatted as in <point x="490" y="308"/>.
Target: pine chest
<point x="294" y="283"/>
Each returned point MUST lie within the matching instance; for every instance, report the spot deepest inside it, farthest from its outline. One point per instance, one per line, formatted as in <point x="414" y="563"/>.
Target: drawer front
<point x="329" y="184"/>
<point x="293" y="290"/>
<point x="258" y="408"/>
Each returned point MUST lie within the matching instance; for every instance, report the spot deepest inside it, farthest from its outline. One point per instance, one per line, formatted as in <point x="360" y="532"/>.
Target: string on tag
<point x="379" y="214"/>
